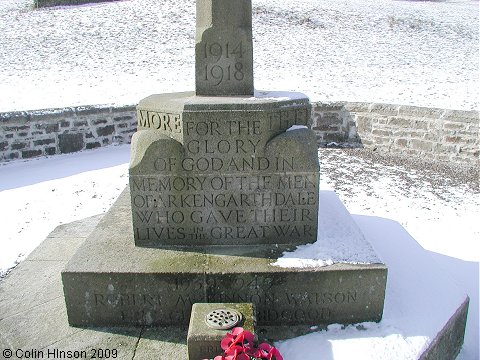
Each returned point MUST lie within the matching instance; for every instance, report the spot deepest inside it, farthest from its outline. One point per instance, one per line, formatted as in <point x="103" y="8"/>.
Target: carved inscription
<point x="273" y="306"/>
<point x="185" y="300"/>
<point x="223" y="187"/>
<point x="282" y="120"/>
<point x="168" y="123"/>
<point x="211" y="349"/>
<point x="271" y="202"/>
<point x="224" y="50"/>
<point x="223" y="62"/>
<point x="233" y="164"/>
<point x="224" y="207"/>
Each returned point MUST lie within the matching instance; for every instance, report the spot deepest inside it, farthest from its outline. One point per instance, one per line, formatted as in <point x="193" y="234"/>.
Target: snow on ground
<point x="420" y="53"/>
<point x="437" y="204"/>
<point x="417" y="53"/>
<point x="44" y="193"/>
<point x="439" y="208"/>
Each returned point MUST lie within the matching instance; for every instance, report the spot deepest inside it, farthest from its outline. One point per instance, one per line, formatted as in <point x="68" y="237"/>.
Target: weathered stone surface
<point x="106" y="130"/>
<point x="44" y="141"/>
<point x="204" y="342"/>
<point x="68" y="143"/>
<point x="159" y="286"/>
<point x="224" y="48"/>
<point x="17" y="145"/>
<point x="223" y="173"/>
<point x="27" y="278"/>
<point x="50" y="150"/>
<point x="334" y="137"/>
<point x="448" y="342"/>
<point x="31" y="153"/>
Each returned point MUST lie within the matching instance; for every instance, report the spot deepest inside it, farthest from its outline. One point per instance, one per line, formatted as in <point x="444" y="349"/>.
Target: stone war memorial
<point x="222" y="181"/>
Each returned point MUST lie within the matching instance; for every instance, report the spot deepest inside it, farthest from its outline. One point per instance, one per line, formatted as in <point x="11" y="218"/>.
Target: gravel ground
<point x="411" y="170"/>
<point x="435" y="202"/>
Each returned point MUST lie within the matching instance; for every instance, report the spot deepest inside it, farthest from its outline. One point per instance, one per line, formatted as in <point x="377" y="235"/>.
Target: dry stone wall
<point x="436" y="134"/>
<point x="59" y="131"/>
<point x="48" y="3"/>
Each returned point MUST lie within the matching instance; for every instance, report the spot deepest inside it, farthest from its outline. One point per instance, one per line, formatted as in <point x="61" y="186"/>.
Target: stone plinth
<point x="223" y="171"/>
<point x="33" y="312"/>
<point x="110" y="281"/>
<point x="203" y="342"/>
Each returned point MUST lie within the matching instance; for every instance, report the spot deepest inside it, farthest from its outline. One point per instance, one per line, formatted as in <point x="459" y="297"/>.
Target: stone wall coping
<point x="53" y="113"/>
<point x="355" y="107"/>
<point x="395" y="109"/>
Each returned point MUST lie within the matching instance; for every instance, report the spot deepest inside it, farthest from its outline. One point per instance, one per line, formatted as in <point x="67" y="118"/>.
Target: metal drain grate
<point x="223" y="319"/>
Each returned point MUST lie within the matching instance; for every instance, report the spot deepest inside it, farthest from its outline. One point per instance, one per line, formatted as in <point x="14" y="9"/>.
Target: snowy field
<point x="402" y="52"/>
<point x="422" y="53"/>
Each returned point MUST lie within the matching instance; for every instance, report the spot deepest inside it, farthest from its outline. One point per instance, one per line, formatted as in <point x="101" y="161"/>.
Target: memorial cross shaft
<point x="217" y="167"/>
<point x="224" y="48"/>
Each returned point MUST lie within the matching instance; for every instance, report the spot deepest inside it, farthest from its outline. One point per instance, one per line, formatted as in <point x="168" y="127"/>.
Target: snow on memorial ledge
<point x="339" y="240"/>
